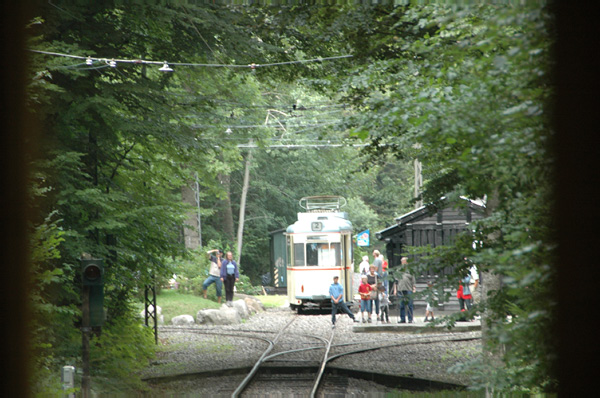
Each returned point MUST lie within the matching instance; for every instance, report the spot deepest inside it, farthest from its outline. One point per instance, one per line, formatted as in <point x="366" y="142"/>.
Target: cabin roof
<point x="423" y="212"/>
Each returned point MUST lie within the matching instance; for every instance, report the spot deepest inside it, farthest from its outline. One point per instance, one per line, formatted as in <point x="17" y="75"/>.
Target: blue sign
<point x="362" y="239"/>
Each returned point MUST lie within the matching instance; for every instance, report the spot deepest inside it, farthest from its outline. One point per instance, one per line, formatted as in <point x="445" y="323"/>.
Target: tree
<point x="118" y="144"/>
<point x="470" y="86"/>
<point x="462" y="89"/>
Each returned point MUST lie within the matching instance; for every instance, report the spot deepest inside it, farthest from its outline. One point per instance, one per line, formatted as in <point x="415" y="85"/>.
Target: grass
<point x="272" y="301"/>
<point x="174" y="303"/>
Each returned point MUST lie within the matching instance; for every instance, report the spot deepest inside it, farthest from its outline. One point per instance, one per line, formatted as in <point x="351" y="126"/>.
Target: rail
<point x="260" y="361"/>
<point x="327" y="358"/>
<point x="313" y="393"/>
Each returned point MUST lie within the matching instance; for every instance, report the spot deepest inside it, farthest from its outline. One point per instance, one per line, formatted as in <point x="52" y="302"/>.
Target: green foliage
<point x="118" y="145"/>
<point x="119" y="353"/>
<point x="50" y="345"/>
<point x="191" y="272"/>
<point x="463" y="89"/>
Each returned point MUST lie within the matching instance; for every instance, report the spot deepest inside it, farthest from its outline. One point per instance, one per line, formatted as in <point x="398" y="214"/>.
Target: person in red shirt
<point x="365" y="298"/>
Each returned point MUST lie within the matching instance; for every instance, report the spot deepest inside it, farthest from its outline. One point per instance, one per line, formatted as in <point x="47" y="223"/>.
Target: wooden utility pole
<point x="418" y="182"/>
<point x="418" y="177"/>
<point x="240" y="232"/>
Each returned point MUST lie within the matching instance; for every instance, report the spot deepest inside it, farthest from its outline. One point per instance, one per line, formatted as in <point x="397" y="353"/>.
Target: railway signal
<point x="92" y="311"/>
<point x="92" y="279"/>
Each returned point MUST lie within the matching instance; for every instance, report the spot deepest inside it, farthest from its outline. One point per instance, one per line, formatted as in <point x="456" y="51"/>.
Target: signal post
<point x="92" y="299"/>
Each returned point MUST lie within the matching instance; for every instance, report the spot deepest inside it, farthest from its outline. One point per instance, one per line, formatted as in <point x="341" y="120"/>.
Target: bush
<point x="119" y="353"/>
<point x="192" y="272"/>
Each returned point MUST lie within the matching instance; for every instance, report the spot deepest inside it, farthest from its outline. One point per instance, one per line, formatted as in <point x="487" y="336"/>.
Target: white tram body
<point x="319" y="246"/>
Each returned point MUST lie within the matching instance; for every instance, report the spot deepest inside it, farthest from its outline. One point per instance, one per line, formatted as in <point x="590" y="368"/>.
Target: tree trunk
<point x="226" y="213"/>
<point x="490" y="282"/>
<point x="191" y="227"/>
<point x="240" y="232"/>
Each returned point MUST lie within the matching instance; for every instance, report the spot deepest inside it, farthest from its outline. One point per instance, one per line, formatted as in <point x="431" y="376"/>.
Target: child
<point x="365" y="298"/>
<point x="384" y="304"/>
<point x="430" y="304"/>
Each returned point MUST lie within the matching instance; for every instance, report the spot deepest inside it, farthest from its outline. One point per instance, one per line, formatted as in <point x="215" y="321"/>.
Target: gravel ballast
<point x="206" y="353"/>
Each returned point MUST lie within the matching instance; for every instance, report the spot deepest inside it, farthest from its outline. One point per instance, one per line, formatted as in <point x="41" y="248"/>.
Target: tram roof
<point x="320" y="222"/>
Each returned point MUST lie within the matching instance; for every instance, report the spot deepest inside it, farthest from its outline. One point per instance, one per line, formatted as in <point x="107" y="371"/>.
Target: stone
<point x="223" y="316"/>
<point x="158" y="311"/>
<point x="183" y="320"/>
<point x="241" y="307"/>
<point x="254" y="305"/>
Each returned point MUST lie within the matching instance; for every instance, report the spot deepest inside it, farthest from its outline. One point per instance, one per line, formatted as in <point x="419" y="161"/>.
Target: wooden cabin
<point x="422" y="227"/>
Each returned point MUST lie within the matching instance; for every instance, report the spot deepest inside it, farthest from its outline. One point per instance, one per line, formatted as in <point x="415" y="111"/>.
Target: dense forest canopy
<point x="304" y="100"/>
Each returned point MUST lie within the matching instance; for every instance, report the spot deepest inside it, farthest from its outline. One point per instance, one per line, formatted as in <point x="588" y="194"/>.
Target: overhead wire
<point x="252" y="126"/>
<point x="151" y="62"/>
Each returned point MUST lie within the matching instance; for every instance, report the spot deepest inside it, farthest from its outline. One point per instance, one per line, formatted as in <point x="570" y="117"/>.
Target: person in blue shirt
<point x="336" y="292"/>
<point x="229" y="276"/>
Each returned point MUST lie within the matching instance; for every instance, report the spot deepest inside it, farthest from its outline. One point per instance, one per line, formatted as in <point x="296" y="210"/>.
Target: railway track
<point x="280" y="368"/>
<point x="260" y="361"/>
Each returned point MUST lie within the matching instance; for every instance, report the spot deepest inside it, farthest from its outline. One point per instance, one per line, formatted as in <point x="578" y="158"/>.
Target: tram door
<point x="347" y="270"/>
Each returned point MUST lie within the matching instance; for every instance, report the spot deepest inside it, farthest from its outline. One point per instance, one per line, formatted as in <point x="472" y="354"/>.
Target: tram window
<point x="298" y="254"/>
<point x="337" y="252"/>
<point x="312" y="254"/>
<point x="323" y="254"/>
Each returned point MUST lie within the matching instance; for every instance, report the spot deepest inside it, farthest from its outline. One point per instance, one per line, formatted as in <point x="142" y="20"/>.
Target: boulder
<point x="241" y="307"/>
<point x="183" y="320"/>
<point x="151" y="308"/>
<point x="254" y="305"/>
<point x="224" y="316"/>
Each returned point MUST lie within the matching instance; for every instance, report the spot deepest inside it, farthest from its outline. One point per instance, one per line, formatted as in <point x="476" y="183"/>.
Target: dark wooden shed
<point x="278" y="258"/>
<point x="421" y="227"/>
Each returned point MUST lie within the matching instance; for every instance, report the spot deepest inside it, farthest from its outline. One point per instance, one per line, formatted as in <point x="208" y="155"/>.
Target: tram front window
<point x="323" y="254"/>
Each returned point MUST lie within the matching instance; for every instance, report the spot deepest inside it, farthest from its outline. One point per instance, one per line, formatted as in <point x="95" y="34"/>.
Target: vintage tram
<point x="319" y="246"/>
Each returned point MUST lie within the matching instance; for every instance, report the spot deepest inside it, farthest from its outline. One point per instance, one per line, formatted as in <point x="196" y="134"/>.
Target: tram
<point x="319" y="246"/>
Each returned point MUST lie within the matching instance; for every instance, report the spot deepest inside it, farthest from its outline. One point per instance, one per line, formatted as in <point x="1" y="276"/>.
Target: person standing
<point x="229" y="276"/>
<point x="465" y="298"/>
<point x="214" y="273"/>
<point x="336" y="292"/>
<point x="474" y="282"/>
<point x="378" y="262"/>
<point x="431" y="302"/>
<point x="365" y="298"/>
<point x="364" y="265"/>
<point x="373" y="280"/>
<point x="384" y="304"/>
<point x="385" y="275"/>
<point x="407" y="285"/>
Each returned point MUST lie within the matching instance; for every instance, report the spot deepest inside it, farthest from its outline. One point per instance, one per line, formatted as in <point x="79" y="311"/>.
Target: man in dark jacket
<point x="407" y="285"/>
